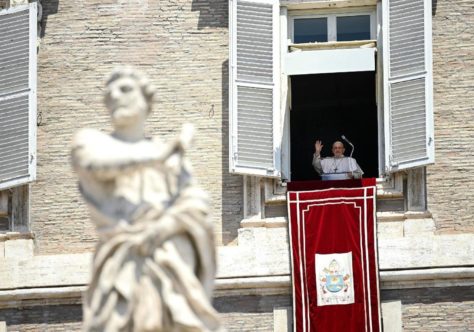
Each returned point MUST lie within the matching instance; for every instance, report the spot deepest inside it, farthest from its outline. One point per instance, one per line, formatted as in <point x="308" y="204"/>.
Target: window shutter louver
<point x="408" y="87"/>
<point x="18" y="27"/>
<point x="254" y="87"/>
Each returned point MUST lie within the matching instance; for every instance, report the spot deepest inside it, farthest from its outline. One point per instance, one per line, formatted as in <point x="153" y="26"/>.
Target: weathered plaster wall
<point x="183" y="47"/>
<point x="450" y="194"/>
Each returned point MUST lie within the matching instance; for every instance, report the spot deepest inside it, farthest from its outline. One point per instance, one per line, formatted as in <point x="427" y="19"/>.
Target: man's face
<point x="126" y="102"/>
<point x="338" y="149"/>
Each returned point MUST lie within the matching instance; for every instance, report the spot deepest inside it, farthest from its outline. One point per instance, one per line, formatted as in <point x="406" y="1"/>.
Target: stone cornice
<point x="259" y="265"/>
<point x="259" y="285"/>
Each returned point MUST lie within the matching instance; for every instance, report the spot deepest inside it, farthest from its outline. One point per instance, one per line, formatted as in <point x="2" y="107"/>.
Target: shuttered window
<point x="17" y="95"/>
<point x="407" y="83"/>
<point x="405" y="47"/>
<point x="254" y="84"/>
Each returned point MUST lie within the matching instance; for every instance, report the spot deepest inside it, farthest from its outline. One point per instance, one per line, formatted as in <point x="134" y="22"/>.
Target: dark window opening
<point x="353" y="28"/>
<point x="5" y="210"/>
<point x="310" y="30"/>
<point x="326" y="106"/>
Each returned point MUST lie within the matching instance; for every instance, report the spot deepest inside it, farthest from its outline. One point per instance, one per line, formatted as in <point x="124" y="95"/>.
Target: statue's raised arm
<point x="155" y="262"/>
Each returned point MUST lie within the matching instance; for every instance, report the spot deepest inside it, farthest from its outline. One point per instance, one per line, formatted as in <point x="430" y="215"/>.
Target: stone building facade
<point x="425" y="217"/>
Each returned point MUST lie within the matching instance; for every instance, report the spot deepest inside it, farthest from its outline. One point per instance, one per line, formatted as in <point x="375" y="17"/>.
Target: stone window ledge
<point x="16" y="236"/>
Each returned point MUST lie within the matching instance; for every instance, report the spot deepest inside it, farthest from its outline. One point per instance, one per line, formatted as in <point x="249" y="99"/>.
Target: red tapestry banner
<point x="334" y="257"/>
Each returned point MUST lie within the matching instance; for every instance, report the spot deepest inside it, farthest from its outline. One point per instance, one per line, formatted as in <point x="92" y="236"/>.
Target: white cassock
<point x="337" y="165"/>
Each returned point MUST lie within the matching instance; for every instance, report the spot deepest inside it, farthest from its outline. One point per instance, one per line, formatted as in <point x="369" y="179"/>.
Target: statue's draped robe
<point x="155" y="263"/>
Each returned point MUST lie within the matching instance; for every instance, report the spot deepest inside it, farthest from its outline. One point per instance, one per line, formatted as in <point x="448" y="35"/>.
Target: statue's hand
<point x="180" y="144"/>
<point x="157" y="232"/>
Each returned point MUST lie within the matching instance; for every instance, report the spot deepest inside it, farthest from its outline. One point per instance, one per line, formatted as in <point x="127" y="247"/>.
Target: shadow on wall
<point x="50" y="7"/>
<point x="455" y="295"/>
<point x="250" y="303"/>
<point x="232" y="188"/>
<point x="212" y="13"/>
<point x="434" y="3"/>
<point x="69" y="315"/>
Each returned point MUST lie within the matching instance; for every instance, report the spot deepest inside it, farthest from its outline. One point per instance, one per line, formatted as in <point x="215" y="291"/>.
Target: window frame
<point x="379" y="26"/>
<point x="332" y="20"/>
<point x="390" y="182"/>
<point x="375" y="22"/>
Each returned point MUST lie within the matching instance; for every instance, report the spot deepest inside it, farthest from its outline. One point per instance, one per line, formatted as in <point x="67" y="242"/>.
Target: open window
<point x="367" y="69"/>
<point x="326" y="106"/>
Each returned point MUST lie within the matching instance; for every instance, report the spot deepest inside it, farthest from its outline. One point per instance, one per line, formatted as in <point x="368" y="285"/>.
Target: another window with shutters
<point x="18" y="33"/>
<point x="18" y="95"/>
<point x="254" y="85"/>
<point x="408" y="86"/>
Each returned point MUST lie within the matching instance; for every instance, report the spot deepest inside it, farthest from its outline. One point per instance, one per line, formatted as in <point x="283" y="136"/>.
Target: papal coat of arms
<point x="334" y="279"/>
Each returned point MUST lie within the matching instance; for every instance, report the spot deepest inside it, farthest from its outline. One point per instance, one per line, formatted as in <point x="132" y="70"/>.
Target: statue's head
<point x="128" y="96"/>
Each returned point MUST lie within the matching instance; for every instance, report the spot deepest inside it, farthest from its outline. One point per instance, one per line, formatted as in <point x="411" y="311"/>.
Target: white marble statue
<point x="154" y="266"/>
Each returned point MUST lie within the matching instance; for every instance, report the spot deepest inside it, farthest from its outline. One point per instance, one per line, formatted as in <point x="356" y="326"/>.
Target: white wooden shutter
<point x="18" y="27"/>
<point x="254" y="87"/>
<point x="408" y="86"/>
